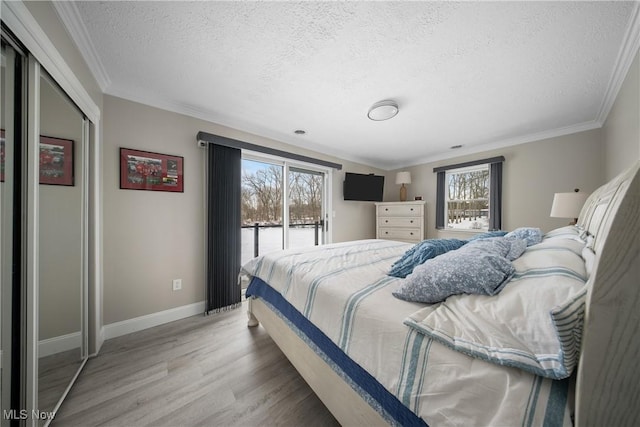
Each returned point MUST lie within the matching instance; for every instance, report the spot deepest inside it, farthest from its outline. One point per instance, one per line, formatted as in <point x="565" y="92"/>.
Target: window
<point x="284" y="204"/>
<point x="469" y="195"/>
<point x="467" y="198"/>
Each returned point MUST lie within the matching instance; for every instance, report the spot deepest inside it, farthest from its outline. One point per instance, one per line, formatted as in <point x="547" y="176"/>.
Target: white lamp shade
<point x="568" y="205"/>
<point x="403" y="178"/>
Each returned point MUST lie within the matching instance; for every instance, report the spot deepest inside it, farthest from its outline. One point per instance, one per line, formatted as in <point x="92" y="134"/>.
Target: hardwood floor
<point x="200" y="371"/>
<point x="54" y="374"/>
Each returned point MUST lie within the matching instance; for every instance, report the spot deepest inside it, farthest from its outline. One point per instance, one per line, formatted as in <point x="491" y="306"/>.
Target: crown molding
<point x="237" y="125"/>
<point x="626" y="55"/>
<point x="70" y="17"/>
<point x="523" y="139"/>
<point x="20" y="21"/>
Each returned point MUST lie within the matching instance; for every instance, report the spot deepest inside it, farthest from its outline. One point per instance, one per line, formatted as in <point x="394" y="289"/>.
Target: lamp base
<point x="403" y="193"/>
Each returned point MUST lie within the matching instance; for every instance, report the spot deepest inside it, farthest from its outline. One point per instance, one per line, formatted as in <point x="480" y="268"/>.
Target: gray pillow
<point x="480" y="267"/>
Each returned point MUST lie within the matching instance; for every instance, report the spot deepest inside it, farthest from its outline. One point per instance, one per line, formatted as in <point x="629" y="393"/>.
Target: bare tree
<point x="262" y="193"/>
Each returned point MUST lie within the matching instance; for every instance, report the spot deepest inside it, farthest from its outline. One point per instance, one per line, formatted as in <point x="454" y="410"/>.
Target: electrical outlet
<point x="177" y="284"/>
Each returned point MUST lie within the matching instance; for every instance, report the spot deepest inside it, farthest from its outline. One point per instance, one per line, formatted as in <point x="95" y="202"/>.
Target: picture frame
<point x="146" y="170"/>
<point x="56" y="161"/>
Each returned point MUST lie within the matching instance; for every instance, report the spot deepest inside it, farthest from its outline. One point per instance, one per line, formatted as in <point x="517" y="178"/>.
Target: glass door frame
<point x="286" y="165"/>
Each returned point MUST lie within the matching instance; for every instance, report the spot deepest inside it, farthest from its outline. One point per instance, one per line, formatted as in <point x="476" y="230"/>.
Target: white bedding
<point x="344" y="290"/>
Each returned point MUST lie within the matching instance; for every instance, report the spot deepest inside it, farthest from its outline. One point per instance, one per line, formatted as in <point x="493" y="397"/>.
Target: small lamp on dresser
<point x="403" y="178"/>
<point x="568" y="205"/>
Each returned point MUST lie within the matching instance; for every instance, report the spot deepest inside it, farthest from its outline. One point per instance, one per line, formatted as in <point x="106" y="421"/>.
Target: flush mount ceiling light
<point x="383" y="110"/>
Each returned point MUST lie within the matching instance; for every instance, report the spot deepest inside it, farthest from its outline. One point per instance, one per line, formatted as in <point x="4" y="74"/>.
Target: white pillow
<point x="534" y="324"/>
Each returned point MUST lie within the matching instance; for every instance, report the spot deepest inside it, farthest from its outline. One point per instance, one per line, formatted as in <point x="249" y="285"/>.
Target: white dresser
<point x="403" y="221"/>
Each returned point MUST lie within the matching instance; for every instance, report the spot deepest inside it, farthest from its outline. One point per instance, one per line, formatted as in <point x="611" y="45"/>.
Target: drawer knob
<point x="411" y="222"/>
<point x="386" y="220"/>
<point x="386" y="209"/>
<point x="411" y="209"/>
<point x="411" y="233"/>
<point x="386" y="232"/>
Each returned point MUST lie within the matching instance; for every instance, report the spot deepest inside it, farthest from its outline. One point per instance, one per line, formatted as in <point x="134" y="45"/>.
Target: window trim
<point x="495" y="190"/>
<point x="465" y="169"/>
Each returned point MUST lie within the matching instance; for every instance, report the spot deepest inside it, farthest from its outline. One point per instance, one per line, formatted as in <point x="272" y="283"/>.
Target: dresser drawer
<point x="405" y="234"/>
<point x="391" y="221"/>
<point x="402" y="221"/>
<point x="400" y="210"/>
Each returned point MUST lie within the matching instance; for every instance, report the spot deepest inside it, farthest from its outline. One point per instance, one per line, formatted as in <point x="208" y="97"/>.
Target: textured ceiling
<point x="482" y="75"/>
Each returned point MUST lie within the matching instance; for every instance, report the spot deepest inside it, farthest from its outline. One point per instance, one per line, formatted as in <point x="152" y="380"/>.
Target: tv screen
<point x="363" y="187"/>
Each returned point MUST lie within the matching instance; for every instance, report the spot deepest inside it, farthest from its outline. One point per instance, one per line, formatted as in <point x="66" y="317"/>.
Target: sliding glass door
<point x="268" y="223"/>
<point x="306" y="207"/>
<point x="262" y="209"/>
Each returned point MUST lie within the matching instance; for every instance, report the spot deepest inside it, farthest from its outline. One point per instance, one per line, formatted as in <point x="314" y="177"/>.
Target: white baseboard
<point x="136" y="324"/>
<point x="59" y="344"/>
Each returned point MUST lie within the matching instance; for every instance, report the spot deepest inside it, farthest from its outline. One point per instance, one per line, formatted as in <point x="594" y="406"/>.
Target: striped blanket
<point x="343" y="289"/>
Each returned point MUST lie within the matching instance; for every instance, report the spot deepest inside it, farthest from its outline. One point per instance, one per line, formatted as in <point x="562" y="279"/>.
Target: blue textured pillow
<point x="532" y="236"/>
<point x="510" y="248"/>
<point x="480" y="268"/>
<point x="487" y="235"/>
<point x="421" y="252"/>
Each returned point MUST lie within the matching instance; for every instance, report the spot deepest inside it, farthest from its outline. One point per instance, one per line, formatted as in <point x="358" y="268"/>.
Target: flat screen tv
<point x="363" y="187"/>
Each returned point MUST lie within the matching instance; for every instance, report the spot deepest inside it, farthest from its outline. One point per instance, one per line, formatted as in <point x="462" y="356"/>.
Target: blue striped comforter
<point x="344" y="290"/>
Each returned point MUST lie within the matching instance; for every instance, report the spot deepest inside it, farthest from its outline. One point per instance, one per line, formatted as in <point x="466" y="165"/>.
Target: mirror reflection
<point x="60" y="243"/>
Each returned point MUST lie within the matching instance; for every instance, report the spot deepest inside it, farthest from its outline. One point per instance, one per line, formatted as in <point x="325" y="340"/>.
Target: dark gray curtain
<point x="440" y="186"/>
<point x="495" y="201"/>
<point x="223" y="223"/>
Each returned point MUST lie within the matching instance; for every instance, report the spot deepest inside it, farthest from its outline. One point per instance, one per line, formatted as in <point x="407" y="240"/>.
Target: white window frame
<point x="457" y="171"/>
<point x="327" y="229"/>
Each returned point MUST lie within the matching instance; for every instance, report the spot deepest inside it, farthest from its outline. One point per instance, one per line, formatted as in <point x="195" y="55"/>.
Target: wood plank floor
<point x="199" y="371"/>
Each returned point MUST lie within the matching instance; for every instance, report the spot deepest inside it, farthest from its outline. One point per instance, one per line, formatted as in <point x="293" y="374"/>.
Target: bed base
<point x="343" y="402"/>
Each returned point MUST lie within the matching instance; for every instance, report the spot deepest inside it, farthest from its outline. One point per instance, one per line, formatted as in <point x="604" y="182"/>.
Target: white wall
<point x="153" y="237"/>
<point x="532" y="173"/>
<point x="621" y="131"/>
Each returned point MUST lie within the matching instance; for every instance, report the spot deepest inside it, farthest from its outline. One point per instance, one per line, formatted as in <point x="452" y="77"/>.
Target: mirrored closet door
<point x="11" y="224"/>
<point x="44" y="193"/>
<point x="61" y="243"/>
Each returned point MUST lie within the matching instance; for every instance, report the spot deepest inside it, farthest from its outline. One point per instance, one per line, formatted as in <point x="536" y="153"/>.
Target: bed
<point x="555" y="345"/>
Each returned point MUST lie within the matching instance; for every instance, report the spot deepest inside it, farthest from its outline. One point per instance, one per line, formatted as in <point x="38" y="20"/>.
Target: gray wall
<point x="152" y="237"/>
<point x="621" y="131"/>
<point x="532" y="173"/>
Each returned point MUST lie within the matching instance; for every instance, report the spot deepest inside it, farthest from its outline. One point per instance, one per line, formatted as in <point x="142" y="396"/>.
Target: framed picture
<point x="56" y="161"/>
<point x="144" y="170"/>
